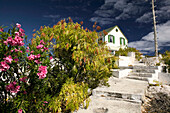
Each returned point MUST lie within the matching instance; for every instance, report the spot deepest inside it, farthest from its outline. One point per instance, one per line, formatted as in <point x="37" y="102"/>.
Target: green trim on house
<point x="109" y="38"/>
<point x="123" y="41"/>
<point x="120" y="41"/>
<point x="113" y="39"/>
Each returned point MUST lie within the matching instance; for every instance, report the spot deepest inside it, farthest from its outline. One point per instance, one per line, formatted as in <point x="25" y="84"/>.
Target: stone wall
<point x="164" y="78"/>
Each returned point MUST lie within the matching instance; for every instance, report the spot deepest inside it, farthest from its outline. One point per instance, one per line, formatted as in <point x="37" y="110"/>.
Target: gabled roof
<point x="110" y="29"/>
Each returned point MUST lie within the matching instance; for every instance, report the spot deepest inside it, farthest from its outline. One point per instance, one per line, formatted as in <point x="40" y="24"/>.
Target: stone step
<point x="100" y="105"/>
<point x="145" y="67"/>
<point x="144" y="70"/>
<point x="140" y="74"/>
<point x="138" y="78"/>
<point x="122" y="89"/>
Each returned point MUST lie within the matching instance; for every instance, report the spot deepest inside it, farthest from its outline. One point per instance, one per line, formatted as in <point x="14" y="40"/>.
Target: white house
<point x="114" y="39"/>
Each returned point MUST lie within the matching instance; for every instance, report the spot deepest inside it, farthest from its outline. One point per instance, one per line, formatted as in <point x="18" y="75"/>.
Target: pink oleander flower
<point x="37" y="61"/>
<point x="8" y="59"/>
<point x="27" y="50"/>
<point x="10" y="40"/>
<point x="45" y="102"/>
<point x="51" y="57"/>
<point x="39" y="46"/>
<point x="32" y="52"/>
<point x="45" y="48"/>
<point x="6" y="43"/>
<point x="18" y="25"/>
<point x="4" y="66"/>
<point x="21" y="30"/>
<point x="17" y="33"/>
<point x="42" y="42"/>
<point x="31" y="57"/>
<point x="20" y="111"/>
<point x="16" y="50"/>
<point x="1" y="29"/>
<point x="37" y="56"/>
<point x="43" y="72"/>
<point x="16" y="59"/>
<point x="18" y="41"/>
<point x="16" y="89"/>
<point x="20" y="51"/>
<point x="23" y="79"/>
<point x="41" y="75"/>
<point x="12" y="87"/>
<point x="42" y="50"/>
<point x="43" y="69"/>
<point x="12" y="50"/>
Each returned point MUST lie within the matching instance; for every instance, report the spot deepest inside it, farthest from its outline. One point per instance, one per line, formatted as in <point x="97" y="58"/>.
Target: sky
<point x="134" y="17"/>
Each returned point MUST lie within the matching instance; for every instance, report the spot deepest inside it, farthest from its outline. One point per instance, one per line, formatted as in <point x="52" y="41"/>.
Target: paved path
<point x="123" y="96"/>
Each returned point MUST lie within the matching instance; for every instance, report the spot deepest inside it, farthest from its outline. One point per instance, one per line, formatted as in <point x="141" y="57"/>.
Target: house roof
<point x="110" y="29"/>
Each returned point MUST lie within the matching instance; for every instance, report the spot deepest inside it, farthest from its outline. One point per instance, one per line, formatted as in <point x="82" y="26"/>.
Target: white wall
<point x="126" y="60"/>
<point x="117" y="36"/>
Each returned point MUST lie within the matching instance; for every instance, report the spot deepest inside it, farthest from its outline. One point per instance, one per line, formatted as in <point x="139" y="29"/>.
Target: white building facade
<point x="114" y="39"/>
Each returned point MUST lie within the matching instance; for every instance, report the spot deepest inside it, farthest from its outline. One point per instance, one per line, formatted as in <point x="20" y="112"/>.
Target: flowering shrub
<point x="52" y="73"/>
<point x="20" y="72"/>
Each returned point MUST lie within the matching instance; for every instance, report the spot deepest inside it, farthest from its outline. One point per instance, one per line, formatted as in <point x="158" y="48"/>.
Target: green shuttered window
<point x="111" y="39"/>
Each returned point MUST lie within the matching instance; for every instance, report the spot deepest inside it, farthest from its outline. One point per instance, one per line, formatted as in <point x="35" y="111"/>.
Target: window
<point x="116" y="30"/>
<point x="122" y="41"/>
<point x="111" y="39"/>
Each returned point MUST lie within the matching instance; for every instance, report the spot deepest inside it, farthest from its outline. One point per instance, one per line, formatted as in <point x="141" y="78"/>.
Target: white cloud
<point x="146" y="44"/>
<point x="145" y="18"/>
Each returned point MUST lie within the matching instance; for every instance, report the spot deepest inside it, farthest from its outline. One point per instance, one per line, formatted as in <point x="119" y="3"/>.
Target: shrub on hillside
<point x="166" y="59"/>
<point x="125" y="51"/>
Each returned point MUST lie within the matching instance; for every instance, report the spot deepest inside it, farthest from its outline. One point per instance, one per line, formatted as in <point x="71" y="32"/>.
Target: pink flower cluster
<point x="40" y="46"/>
<point x="17" y="41"/>
<point x="12" y="87"/>
<point x="42" y="72"/>
<point x="4" y="66"/>
<point x="35" y="58"/>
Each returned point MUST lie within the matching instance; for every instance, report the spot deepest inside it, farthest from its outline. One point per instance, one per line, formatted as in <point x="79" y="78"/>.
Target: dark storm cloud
<point x="138" y="10"/>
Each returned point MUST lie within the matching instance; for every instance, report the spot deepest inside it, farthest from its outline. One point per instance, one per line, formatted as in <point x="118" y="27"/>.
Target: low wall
<point x="120" y="73"/>
<point x="126" y="61"/>
<point x="164" y="78"/>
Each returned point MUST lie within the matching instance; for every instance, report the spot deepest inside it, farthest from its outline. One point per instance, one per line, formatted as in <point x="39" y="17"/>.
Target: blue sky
<point x="134" y="17"/>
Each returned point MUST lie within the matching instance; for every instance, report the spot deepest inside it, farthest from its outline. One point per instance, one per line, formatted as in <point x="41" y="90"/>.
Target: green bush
<point x="166" y="59"/>
<point x="125" y="51"/>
